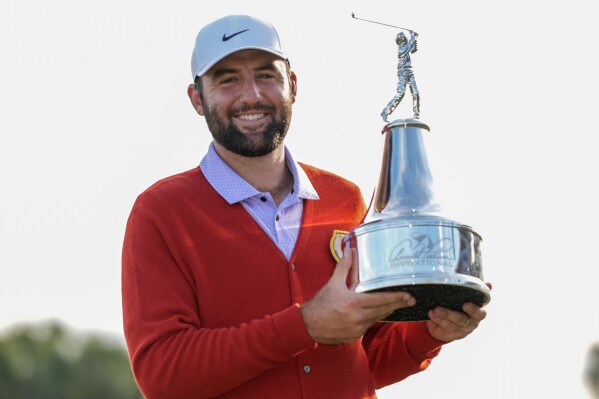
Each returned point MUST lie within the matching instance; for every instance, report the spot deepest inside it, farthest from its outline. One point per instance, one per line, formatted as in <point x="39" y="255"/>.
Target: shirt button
<point x="307" y="369"/>
<point x="277" y="218"/>
<point x="263" y="199"/>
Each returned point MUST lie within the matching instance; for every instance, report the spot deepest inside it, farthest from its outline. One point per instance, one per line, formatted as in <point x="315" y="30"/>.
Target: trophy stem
<point x="405" y="184"/>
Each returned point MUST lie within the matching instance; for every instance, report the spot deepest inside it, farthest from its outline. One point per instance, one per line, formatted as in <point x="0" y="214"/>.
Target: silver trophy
<point x="404" y="243"/>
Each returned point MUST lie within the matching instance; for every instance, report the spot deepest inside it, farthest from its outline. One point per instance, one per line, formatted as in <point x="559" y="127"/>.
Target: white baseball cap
<point x="230" y="34"/>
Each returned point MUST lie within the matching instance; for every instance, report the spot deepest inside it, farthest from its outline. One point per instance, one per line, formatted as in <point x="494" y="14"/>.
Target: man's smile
<point x="251" y="117"/>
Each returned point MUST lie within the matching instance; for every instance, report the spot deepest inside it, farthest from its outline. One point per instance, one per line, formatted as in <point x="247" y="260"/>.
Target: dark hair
<point x="197" y="84"/>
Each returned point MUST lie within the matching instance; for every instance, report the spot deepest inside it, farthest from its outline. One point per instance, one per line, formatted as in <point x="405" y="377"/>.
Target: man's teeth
<point x="251" y="117"/>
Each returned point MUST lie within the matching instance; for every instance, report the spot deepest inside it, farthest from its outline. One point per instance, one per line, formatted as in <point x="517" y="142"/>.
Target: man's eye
<point x="228" y="80"/>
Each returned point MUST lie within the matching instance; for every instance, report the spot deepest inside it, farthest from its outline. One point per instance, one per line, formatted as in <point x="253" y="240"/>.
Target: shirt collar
<point x="233" y="188"/>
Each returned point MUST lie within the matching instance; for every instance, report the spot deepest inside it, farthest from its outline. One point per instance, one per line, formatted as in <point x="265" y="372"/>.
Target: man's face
<point x="246" y="100"/>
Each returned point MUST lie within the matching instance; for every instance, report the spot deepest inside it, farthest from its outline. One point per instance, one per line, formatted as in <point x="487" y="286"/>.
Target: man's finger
<point x="343" y="266"/>
<point x="476" y="313"/>
<point x="393" y="300"/>
<point x="354" y="273"/>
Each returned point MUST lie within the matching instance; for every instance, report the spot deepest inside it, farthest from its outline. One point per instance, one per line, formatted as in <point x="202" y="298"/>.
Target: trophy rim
<point x="407" y="221"/>
<point x="410" y="122"/>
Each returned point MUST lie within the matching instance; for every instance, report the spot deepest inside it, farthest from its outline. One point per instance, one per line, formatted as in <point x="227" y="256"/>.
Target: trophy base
<point x="430" y="296"/>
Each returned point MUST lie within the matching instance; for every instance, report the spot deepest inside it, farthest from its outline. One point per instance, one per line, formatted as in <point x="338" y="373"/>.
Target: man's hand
<point x="337" y="314"/>
<point x="448" y="325"/>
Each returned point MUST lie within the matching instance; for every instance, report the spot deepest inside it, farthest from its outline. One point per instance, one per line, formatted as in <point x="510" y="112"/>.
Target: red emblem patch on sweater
<point x="336" y="244"/>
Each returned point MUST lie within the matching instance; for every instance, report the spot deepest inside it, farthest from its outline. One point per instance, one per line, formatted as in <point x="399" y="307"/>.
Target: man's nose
<point x="250" y="92"/>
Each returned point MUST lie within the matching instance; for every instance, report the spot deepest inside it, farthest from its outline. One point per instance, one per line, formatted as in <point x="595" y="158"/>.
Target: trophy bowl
<point x="436" y="260"/>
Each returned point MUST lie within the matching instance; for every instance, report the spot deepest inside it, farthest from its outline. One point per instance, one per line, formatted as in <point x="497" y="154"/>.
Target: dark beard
<point x="229" y="136"/>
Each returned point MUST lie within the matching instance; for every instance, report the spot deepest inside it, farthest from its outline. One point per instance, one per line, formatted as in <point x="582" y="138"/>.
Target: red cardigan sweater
<point x="211" y="306"/>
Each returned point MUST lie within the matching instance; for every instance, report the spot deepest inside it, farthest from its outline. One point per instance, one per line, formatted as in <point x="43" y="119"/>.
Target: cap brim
<point x="207" y="67"/>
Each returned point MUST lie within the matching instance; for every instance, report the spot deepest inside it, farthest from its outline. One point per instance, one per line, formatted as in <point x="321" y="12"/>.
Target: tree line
<point x="49" y="361"/>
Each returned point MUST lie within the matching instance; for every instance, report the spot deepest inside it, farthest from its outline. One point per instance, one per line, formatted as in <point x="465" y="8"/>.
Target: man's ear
<point x="293" y="86"/>
<point x="196" y="100"/>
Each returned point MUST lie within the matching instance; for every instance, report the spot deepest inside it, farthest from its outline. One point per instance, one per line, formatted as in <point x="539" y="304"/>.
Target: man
<point x="405" y="75"/>
<point x="229" y="286"/>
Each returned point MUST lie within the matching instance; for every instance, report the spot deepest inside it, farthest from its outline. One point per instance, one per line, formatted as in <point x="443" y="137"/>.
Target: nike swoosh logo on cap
<point x="225" y="37"/>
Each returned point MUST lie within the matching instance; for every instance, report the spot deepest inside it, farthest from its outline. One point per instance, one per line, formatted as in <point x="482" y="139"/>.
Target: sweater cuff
<point x="292" y="330"/>
<point x="421" y="342"/>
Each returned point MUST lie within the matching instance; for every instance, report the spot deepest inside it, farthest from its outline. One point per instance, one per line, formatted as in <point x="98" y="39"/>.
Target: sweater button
<point x="293" y="266"/>
<point x="307" y="369"/>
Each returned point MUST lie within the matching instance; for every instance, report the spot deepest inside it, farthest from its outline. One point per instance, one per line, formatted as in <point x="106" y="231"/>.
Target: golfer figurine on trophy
<point x="405" y="75"/>
<point x="403" y="243"/>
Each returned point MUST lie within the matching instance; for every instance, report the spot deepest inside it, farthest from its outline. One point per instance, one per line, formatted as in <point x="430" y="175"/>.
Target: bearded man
<point x="230" y="289"/>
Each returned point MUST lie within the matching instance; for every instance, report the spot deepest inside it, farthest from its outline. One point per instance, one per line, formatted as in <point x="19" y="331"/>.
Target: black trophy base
<point x="430" y="296"/>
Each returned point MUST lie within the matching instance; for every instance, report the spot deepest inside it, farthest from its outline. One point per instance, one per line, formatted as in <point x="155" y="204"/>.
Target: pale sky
<point x="94" y="110"/>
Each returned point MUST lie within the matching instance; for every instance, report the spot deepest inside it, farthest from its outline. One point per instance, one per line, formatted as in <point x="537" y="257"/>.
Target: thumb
<point x="343" y="267"/>
<point x="354" y="273"/>
<point x="347" y="269"/>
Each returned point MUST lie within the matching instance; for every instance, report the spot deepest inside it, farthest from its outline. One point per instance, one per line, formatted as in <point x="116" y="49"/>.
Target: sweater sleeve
<point x="398" y="350"/>
<point x="173" y="356"/>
